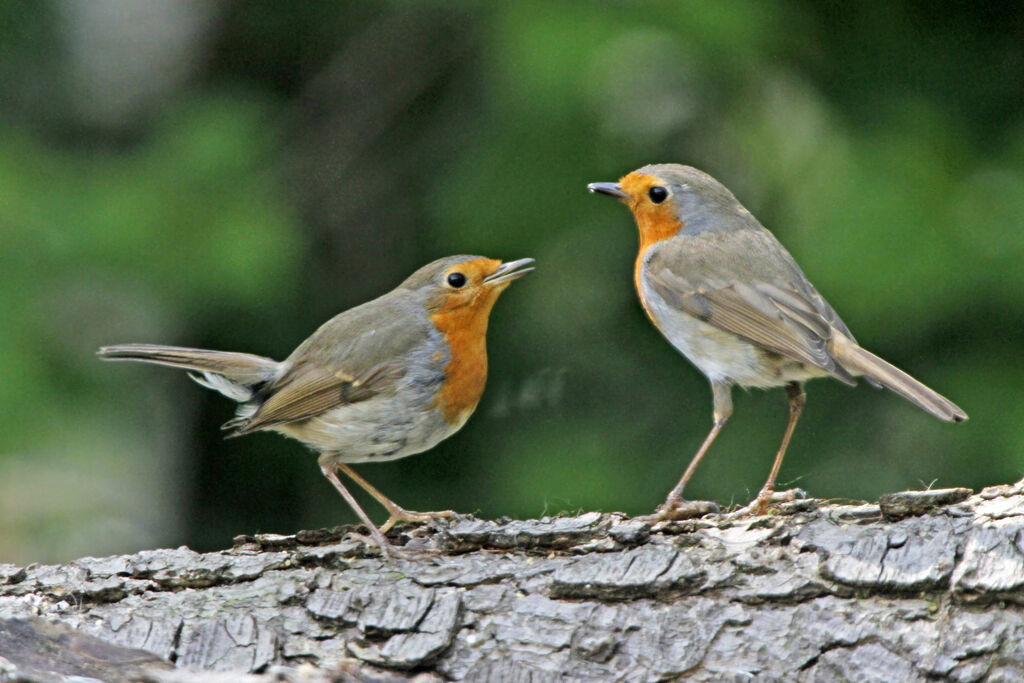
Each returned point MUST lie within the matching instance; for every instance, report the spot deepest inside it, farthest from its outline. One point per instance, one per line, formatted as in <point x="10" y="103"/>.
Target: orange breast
<point x="465" y="331"/>
<point x="650" y="234"/>
<point x="637" y="275"/>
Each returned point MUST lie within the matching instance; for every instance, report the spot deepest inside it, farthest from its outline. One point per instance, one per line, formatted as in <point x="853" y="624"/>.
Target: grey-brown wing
<point x="308" y="391"/>
<point x="352" y="357"/>
<point x="770" y="307"/>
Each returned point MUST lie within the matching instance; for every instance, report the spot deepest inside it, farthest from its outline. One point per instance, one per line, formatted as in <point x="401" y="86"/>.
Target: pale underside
<point x="361" y="408"/>
<point x="375" y="430"/>
<point x="766" y="329"/>
<point x="722" y="356"/>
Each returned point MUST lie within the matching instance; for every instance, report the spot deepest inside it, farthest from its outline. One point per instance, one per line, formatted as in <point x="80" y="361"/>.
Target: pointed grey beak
<point x="610" y="189"/>
<point x="508" y="271"/>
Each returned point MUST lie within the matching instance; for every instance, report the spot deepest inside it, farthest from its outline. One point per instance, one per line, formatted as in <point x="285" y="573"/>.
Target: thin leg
<point x="398" y="513"/>
<point x="722" y="397"/>
<point x="797" y="399"/>
<point x="328" y="467"/>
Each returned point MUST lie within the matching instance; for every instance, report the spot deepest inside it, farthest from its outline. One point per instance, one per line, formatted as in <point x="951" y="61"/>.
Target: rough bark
<point x="923" y="585"/>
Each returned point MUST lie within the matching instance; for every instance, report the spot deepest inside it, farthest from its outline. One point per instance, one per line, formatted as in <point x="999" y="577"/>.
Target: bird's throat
<point x="465" y="333"/>
<point x="655" y="223"/>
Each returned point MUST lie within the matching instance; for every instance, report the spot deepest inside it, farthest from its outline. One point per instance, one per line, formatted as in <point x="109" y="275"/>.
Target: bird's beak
<point x="610" y="189"/>
<point x="508" y="271"/>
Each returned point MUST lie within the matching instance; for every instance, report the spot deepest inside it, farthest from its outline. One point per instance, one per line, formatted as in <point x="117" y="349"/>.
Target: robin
<point x="384" y="380"/>
<point x="730" y="298"/>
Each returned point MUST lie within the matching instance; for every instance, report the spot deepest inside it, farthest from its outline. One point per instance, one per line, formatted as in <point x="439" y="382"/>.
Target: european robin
<point x="384" y="380"/>
<point x="729" y="297"/>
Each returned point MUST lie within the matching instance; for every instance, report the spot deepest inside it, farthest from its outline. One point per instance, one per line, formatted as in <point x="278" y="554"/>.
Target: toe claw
<point x="403" y="515"/>
<point x="762" y="504"/>
<point x="674" y="510"/>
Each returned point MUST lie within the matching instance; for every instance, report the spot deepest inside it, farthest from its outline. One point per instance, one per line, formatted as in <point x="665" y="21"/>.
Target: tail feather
<point x="232" y="374"/>
<point x="862" y="362"/>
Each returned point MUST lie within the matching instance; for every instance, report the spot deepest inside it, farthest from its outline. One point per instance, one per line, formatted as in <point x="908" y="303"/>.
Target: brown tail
<point x="239" y="368"/>
<point x="860" y="362"/>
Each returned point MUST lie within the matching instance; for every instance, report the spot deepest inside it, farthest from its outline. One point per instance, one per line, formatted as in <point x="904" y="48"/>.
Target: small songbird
<point x="381" y="381"/>
<point x="729" y="297"/>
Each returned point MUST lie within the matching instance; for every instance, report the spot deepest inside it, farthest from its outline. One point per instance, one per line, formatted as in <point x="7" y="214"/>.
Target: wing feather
<point x="312" y="391"/>
<point x="353" y="357"/>
<point x="785" y="317"/>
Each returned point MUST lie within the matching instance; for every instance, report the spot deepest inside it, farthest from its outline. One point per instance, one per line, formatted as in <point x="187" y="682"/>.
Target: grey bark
<point x="924" y="585"/>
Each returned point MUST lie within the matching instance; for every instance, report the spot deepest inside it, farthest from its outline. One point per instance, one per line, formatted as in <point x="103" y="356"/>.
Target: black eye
<point x="658" y="194"/>
<point x="456" y="280"/>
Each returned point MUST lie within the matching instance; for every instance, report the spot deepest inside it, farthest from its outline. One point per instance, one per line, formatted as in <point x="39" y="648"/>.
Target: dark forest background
<point x="231" y="174"/>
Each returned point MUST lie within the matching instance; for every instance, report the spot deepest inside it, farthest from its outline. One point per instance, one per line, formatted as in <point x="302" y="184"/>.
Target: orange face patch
<point x="462" y="317"/>
<point x="656" y="221"/>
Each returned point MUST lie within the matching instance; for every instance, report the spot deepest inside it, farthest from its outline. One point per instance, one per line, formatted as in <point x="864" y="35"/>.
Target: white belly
<point x="391" y="425"/>
<point x="375" y="430"/>
<point x="721" y="356"/>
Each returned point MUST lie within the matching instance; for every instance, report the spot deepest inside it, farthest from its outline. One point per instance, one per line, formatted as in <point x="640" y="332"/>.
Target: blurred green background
<point x="231" y="174"/>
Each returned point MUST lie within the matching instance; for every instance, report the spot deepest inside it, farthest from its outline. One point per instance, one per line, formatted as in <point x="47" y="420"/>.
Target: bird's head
<point x="665" y="198"/>
<point x="468" y="285"/>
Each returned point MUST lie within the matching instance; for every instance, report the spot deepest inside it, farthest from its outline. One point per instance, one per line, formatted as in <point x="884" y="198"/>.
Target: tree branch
<point x="923" y="585"/>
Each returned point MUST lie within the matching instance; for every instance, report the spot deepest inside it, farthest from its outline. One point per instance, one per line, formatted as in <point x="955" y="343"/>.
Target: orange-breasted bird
<point x="729" y="297"/>
<point x="384" y="380"/>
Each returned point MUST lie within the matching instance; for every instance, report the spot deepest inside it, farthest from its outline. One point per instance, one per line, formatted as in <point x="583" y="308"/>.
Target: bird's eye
<point x="456" y="280"/>
<point x="658" y="194"/>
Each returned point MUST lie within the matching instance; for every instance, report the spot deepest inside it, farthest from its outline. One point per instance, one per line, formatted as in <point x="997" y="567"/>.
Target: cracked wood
<point x="924" y="585"/>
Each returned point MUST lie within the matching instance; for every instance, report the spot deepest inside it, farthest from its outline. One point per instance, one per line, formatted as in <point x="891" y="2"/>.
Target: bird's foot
<point x="764" y="500"/>
<point x="675" y="509"/>
<point x="400" y="514"/>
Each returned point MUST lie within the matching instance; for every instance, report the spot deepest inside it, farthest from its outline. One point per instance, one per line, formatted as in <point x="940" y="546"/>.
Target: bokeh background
<point x="231" y="174"/>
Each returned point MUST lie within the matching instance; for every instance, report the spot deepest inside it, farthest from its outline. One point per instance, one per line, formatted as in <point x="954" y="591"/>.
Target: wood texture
<point x="926" y="585"/>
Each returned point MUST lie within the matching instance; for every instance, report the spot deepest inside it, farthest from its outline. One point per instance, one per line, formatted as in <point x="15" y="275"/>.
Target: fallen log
<point x="922" y="585"/>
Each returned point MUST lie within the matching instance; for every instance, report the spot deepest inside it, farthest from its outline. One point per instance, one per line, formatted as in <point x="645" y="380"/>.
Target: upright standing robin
<point x="381" y="381"/>
<point x="731" y="299"/>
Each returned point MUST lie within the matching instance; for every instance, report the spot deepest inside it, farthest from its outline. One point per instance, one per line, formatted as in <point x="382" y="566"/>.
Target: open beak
<point x="508" y="271"/>
<point x="610" y="189"/>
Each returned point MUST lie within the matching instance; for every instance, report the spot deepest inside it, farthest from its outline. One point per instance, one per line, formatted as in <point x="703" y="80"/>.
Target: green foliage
<point x="187" y="217"/>
<point x="883" y="146"/>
